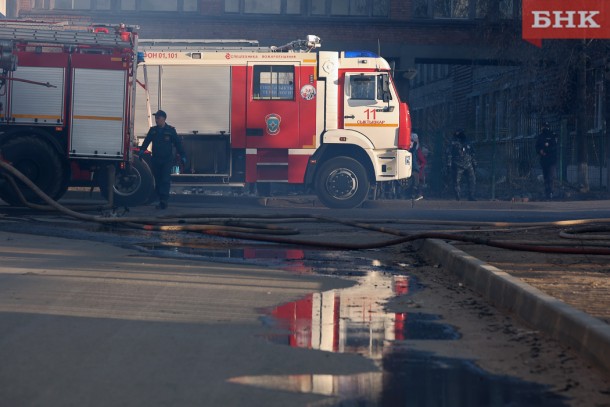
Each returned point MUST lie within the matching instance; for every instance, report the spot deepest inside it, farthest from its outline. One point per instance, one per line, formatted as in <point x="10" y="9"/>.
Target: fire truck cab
<point x="248" y="114"/>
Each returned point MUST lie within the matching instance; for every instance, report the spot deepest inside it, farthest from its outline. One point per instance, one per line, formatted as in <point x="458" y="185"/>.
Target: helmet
<point x="414" y="137"/>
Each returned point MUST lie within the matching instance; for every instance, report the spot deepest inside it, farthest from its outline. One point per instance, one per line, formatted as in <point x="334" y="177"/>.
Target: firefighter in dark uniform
<point x="163" y="138"/>
<point x="546" y="148"/>
<point x="461" y="161"/>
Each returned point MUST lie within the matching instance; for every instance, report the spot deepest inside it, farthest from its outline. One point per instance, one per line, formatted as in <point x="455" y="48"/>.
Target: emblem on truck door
<point x="308" y="92"/>
<point x="273" y="123"/>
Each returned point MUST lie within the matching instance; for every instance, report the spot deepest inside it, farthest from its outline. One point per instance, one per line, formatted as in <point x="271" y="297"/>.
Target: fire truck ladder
<point x="186" y="45"/>
<point x="199" y="45"/>
<point x="196" y="47"/>
<point x="48" y="34"/>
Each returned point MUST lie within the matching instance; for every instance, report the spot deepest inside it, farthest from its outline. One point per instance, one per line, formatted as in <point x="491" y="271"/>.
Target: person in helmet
<point x="462" y="162"/>
<point x="546" y="148"/>
<point x="163" y="138"/>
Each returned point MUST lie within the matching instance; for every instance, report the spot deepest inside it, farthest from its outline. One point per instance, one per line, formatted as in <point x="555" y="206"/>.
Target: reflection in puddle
<point x="290" y="258"/>
<point x="415" y="379"/>
<point x="354" y="319"/>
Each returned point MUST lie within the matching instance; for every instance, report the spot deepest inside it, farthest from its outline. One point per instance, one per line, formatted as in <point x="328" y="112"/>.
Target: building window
<point x="338" y="8"/>
<point x="128" y="5"/>
<point x="348" y="8"/>
<point x="293" y="7"/>
<point x="159" y="5"/>
<point x="507" y="9"/>
<point x="231" y="6"/>
<point x="482" y="8"/>
<point x="118" y="5"/>
<point x="262" y="6"/>
<point x="463" y="9"/>
<point x="103" y="5"/>
<point x="354" y="8"/>
<point x="450" y="8"/>
<point x="273" y="82"/>
<point x="190" y="5"/>
<point x="381" y="8"/>
<point x="318" y="7"/>
<point x="72" y="5"/>
<point x="420" y="9"/>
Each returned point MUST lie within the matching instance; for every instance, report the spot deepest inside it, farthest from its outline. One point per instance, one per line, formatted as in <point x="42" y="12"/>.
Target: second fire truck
<point x="66" y="104"/>
<point x="332" y="121"/>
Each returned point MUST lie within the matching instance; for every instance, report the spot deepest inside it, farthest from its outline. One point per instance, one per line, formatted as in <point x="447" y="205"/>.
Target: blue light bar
<point x="360" y="54"/>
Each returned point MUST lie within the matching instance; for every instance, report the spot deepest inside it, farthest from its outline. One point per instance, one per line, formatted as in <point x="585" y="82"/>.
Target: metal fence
<point x="510" y="168"/>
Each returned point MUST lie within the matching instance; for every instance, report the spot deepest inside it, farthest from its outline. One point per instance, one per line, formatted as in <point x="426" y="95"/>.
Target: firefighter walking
<point x="462" y="161"/>
<point x="163" y="138"/>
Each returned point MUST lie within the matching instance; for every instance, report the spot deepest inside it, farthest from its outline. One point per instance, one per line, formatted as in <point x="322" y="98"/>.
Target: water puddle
<point x="356" y="320"/>
<point x="415" y="379"/>
<point x="290" y="258"/>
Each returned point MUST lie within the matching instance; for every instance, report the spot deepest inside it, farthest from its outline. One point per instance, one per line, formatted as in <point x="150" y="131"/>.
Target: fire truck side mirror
<point x="386" y="83"/>
<point x="386" y="88"/>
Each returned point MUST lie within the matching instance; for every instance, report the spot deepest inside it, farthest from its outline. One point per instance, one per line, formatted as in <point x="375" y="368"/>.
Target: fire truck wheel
<point x="342" y="183"/>
<point x="132" y="187"/>
<point x="38" y="161"/>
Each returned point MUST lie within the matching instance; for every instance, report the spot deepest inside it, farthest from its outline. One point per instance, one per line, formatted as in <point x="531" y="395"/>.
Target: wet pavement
<point x="351" y="320"/>
<point x="355" y="320"/>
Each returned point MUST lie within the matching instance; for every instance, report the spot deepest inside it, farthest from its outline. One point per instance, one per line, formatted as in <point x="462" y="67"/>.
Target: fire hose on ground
<point x="249" y="227"/>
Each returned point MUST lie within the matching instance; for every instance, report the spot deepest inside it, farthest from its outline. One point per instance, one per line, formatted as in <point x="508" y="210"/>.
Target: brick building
<point x="401" y="29"/>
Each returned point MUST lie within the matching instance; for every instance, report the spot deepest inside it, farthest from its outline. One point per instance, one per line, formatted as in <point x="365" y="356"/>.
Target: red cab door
<point x="272" y="108"/>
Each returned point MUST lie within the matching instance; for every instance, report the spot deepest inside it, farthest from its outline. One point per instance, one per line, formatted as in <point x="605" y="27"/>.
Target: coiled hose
<point x="237" y="228"/>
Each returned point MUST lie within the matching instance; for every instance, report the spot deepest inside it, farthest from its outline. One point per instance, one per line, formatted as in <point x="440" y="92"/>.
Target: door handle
<point x="349" y="117"/>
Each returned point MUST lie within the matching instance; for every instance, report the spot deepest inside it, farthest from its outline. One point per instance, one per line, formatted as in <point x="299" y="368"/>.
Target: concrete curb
<point x="589" y="336"/>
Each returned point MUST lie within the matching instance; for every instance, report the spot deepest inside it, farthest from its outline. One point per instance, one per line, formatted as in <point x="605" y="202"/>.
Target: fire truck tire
<point x="132" y="187"/>
<point x="342" y="183"/>
<point x="38" y="161"/>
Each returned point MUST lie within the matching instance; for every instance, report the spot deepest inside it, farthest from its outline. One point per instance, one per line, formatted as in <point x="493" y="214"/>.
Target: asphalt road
<point x="94" y="315"/>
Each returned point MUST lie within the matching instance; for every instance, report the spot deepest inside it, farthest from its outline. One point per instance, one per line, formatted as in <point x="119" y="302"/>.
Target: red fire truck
<point x="332" y="121"/>
<point x="66" y="102"/>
